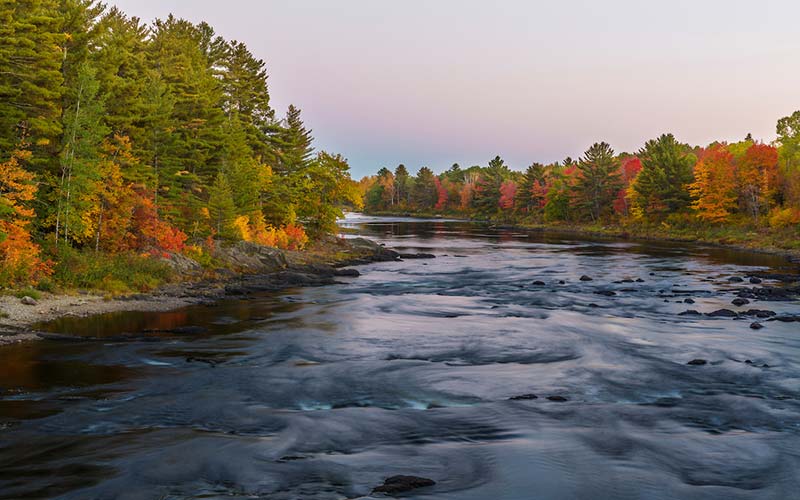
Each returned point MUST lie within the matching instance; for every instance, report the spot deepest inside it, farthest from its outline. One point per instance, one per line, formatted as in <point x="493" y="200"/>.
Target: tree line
<point x="665" y="182"/>
<point x="118" y="136"/>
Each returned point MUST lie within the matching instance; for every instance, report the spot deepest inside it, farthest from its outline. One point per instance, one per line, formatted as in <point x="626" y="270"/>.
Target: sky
<point x="433" y="82"/>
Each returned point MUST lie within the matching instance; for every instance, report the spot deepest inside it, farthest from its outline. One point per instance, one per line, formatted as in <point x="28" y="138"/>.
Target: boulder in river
<point x="688" y="301"/>
<point x="697" y="362"/>
<point x="756" y="325"/>
<point x="735" y="279"/>
<point x="557" y="399"/>
<point x="722" y="313"/>
<point x="401" y="484"/>
<point x="585" y="278"/>
<point x="690" y="312"/>
<point x="607" y="293"/>
<point x="739" y="301"/>
<point x="755" y="280"/>
<point x="539" y="283"/>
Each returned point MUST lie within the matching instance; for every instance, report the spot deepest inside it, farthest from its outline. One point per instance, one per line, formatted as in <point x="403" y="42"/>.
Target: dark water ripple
<point x="323" y="393"/>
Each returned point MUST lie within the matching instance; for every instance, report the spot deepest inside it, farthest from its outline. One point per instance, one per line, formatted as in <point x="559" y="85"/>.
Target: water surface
<point x="321" y="393"/>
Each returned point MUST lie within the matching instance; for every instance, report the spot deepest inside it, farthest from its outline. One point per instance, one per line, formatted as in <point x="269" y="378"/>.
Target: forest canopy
<point x="122" y="137"/>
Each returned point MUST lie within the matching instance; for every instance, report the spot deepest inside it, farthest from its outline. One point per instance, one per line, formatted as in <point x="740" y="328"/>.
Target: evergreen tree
<point x="401" y="177"/>
<point x="528" y="199"/>
<point x="424" y="195"/>
<point x="292" y="143"/>
<point x="221" y="207"/>
<point x="661" y="186"/>
<point x="487" y="194"/>
<point x="30" y="77"/>
<point x="598" y="180"/>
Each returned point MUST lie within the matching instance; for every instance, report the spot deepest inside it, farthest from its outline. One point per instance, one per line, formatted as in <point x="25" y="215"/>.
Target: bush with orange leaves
<point x="20" y="261"/>
<point x="254" y="228"/>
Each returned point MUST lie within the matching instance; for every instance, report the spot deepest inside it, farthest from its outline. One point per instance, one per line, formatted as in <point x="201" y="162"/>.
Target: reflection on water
<point x="322" y="393"/>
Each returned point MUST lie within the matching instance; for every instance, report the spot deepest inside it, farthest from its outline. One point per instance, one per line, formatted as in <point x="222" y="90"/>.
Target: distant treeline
<point x="666" y="182"/>
<point x="117" y="136"/>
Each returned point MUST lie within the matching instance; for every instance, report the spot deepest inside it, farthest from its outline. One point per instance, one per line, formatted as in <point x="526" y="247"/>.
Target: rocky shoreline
<point x="250" y="269"/>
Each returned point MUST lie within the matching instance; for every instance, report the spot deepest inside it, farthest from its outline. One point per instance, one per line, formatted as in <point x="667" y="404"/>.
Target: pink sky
<point x="425" y="82"/>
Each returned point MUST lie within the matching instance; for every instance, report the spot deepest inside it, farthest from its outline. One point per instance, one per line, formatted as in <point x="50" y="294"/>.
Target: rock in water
<point x="722" y="313"/>
<point x="740" y="302"/>
<point x="539" y="283"/>
<point x="28" y="301"/>
<point x="558" y="399"/>
<point x="697" y="362"/>
<point x="523" y="397"/>
<point x="756" y="326"/>
<point x="585" y="278"/>
<point x="402" y="484"/>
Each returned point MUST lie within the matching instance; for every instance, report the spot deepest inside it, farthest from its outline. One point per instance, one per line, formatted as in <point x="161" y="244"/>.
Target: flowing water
<point x="322" y="393"/>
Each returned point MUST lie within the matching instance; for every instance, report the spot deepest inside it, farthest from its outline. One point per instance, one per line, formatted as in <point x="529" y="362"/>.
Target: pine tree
<point x="292" y="143"/>
<point x="424" y="195"/>
<point x="30" y="77"/>
<point x="598" y="180"/>
<point x="487" y="193"/>
<point x="528" y="198"/>
<point x="661" y="186"/>
<point x="221" y="207"/>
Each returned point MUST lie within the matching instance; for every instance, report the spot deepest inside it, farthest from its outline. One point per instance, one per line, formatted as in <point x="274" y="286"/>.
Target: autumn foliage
<point x="20" y="260"/>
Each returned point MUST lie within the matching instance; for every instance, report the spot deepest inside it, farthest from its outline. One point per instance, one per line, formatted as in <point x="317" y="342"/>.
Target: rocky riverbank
<point x="248" y="268"/>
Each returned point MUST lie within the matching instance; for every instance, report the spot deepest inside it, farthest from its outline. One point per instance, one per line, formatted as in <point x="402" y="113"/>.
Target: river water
<point x="322" y="393"/>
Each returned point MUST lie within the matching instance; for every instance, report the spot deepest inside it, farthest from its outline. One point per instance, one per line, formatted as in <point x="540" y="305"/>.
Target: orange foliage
<point x="714" y="187"/>
<point x="629" y="168"/>
<point x="20" y="261"/>
<point x="441" y="193"/>
<point x="757" y="176"/>
<point x="254" y="228"/>
<point x="508" y="190"/>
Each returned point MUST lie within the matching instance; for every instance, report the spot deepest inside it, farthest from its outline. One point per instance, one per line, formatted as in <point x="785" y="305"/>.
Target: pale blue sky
<point x="432" y="82"/>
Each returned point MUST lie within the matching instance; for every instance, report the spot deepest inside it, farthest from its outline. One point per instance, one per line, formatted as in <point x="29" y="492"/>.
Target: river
<point x="322" y="393"/>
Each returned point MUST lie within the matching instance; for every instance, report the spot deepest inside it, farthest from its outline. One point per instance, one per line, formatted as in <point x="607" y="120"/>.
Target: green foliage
<point x="661" y="186"/>
<point x="424" y="191"/>
<point x="121" y="273"/>
<point x="598" y="181"/>
<point x="487" y="194"/>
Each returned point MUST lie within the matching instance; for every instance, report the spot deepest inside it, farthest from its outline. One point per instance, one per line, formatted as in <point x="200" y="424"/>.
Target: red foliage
<point x="150" y="233"/>
<point x="441" y="192"/>
<point x="628" y="168"/>
<point x="508" y="190"/>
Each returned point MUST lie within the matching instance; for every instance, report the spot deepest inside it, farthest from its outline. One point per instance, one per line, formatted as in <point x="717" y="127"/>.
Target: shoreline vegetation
<point x="248" y="268"/>
<point x="743" y="194"/>
<point x="764" y="240"/>
<point x="134" y="153"/>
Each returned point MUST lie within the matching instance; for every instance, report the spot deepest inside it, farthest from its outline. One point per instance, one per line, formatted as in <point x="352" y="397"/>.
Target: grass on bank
<point x="115" y="274"/>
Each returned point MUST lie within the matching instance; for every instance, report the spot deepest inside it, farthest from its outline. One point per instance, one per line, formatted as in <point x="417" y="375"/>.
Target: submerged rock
<point x="697" y="362"/>
<point x="735" y="279"/>
<point x="688" y="301"/>
<point x="690" y="312"/>
<point x="756" y="325"/>
<point x="539" y="283"/>
<point x="523" y="397"/>
<point x="740" y="302"/>
<point x="607" y="293"/>
<point x="754" y="280"/>
<point x="557" y="399"/>
<point x="401" y="484"/>
<point x="585" y="278"/>
<point x="417" y="256"/>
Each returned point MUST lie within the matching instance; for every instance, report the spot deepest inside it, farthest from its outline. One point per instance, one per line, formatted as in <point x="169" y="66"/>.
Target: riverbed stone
<point x="557" y="399"/>
<point x="523" y="397"/>
<point x="401" y="484"/>
<point x="697" y="362"/>
<point x="585" y="278"/>
<point x="739" y="301"/>
<point x="756" y="325"/>
<point x="28" y="301"/>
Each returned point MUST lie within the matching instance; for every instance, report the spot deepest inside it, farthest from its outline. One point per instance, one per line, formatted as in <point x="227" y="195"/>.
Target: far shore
<point x="748" y="243"/>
